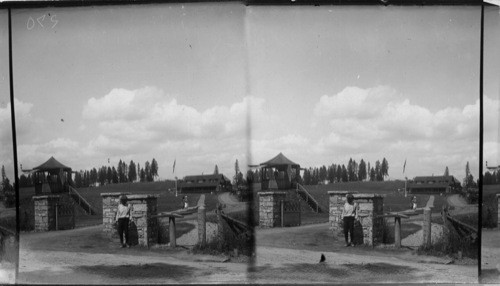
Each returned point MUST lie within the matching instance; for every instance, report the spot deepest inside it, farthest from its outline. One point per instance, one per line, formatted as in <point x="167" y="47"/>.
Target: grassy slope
<point x="167" y="201"/>
<point x="490" y="213"/>
<point x="392" y="200"/>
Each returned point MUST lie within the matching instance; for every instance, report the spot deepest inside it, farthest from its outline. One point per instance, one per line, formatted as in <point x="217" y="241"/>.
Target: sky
<point x="491" y="147"/>
<point x="367" y="83"/>
<point x="6" y="151"/>
<point x="320" y="84"/>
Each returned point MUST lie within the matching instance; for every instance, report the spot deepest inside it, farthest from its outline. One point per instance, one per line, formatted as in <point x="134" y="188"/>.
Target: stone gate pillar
<point x="110" y="203"/>
<point x="143" y="227"/>
<point x="45" y="212"/>
<point x="370" y="206"/>
<point x="270" y="208"/>
<point x="498" y="208"/>
<point x="337" y="201"/>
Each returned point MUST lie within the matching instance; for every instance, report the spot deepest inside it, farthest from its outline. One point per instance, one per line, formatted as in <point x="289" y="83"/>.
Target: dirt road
<point x="456" y="201"/>
<point x="232" y="203"/>
<point x="291" y="255"/>
<point x="83" y="256"/>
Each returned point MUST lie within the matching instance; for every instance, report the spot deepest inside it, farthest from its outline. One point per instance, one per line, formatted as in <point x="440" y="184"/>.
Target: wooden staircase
<point x="304" y="195"/>
<point x="81" y="201"/>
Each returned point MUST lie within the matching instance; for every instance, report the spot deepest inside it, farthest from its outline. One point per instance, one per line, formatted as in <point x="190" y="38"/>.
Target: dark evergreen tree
<point x="362" y="170"/>
<point x="132" y="173"/>
<point x="154" y="169"/>
<point x="345" y="176"/>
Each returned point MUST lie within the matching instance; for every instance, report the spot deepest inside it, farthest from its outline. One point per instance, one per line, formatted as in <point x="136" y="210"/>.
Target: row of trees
<point x="491" y="178"/>
<point x="123" y="173"/>
<point x="353" y="172"/>
<point x="8" y="194"/>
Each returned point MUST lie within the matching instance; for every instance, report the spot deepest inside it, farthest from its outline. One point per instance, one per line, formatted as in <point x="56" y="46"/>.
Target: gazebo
<point x="279" y="173"/>
<point x="51" y="177"/>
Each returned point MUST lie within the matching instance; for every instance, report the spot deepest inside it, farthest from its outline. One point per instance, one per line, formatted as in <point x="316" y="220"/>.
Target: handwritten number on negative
<point x="30" y="24"/>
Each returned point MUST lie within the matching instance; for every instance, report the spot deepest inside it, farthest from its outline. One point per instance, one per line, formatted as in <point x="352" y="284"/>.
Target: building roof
<point x="279" y="160"/>
<point x="51" y="165"/>
<point x="206" y="177"/>
<point x="435" y="179"/>
<point x="429" y="186"/>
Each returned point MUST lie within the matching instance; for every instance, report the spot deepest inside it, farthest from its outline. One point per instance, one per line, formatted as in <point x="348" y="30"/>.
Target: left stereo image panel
<point x="8" y="240"/>
<point x="131" y="121"/>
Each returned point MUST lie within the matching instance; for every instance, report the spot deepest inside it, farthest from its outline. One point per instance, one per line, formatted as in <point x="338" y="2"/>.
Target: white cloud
<point x="378" y="122"/>
<point x="148" y="122"/>
<point x="24" y="124"/>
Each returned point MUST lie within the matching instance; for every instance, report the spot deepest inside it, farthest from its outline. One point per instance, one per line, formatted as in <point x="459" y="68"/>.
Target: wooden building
<point x="434" y="184"/>
<point x="279" y="173"/>
<point x="51" y="177"/>
<point x="204" y="184"/>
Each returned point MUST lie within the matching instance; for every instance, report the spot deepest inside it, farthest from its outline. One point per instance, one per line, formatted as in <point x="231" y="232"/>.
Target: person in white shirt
<point x="122" y="219"/>
<point x="349" y="214"/>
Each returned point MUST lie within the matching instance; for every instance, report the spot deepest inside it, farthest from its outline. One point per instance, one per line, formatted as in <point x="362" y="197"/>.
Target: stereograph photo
<point x="490" y="265"/>
<point x="201" y="143"/>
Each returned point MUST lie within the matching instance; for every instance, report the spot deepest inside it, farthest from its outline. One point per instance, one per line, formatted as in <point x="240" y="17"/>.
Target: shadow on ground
<point x="489" y="276"/>
<point x="325" y="272"/>
<point x="150" y="270"/>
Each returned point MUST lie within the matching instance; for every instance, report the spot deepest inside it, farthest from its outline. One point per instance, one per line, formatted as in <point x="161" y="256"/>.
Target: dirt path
<point x="231" y="202"/>
<point x="291" y="255"/>
<point x="456" y="201"/>
<point x="83" y="256"/>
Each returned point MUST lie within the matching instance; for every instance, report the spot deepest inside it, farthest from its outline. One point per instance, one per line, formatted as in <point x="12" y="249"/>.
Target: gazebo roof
<point x="279" y="160"/>
<point x="52" y="164"/>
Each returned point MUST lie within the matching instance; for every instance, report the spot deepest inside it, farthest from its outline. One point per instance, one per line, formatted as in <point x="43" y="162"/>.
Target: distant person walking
<point x="349" y="214"/>
<point x="185" y="202"/>
<point x="122" y="220"/>
<point x="414" y="203"/>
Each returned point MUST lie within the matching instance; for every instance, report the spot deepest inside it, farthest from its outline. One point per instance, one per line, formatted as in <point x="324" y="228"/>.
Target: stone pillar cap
<point x="114" y="194"/>
<point x="341" y="192"/>
<point x="367" y="196"/>
<point x="46" y="197"/>
<point x="144" y="196"/>
<point x="271" y="193"/>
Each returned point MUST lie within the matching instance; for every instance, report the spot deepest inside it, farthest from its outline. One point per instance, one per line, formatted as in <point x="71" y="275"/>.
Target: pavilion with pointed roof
<point x="51" y="177"/>
<point x="279" y="173"/>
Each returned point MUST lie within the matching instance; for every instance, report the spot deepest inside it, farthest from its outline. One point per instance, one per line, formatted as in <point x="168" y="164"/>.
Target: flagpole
<point x="406" y="180"/>
<point x="173" y="171"/>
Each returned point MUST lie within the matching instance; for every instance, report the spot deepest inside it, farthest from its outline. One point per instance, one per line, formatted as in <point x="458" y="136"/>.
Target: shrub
<point x="227" y="241"/>
<point x="452" y="242"/>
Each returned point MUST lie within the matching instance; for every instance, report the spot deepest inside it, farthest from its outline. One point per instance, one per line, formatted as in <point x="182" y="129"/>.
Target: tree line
<point x="7" y="193"/>
<point x="334" y="173"/>
<point x="353" y="172"/>
<point x="123" y="173"/>
<point x="491" y="178"/>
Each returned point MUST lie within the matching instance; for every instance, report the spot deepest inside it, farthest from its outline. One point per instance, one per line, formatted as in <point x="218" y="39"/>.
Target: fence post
<point x="57" y="217"/>
<point x="282" y="211"/>
<point x="397" y="231"/>
<point x="202" y="217"/>
<point x="220" y="226"/>
<point x="427" y="227"/>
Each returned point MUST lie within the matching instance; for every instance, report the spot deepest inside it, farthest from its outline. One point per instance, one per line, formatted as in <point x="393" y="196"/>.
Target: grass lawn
<point x="490" y="212"/>
<point x="393" y="201"/>
<point x="167" y="201"/>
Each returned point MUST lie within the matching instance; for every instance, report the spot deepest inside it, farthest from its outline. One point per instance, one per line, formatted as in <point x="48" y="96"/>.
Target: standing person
<point x="185" y="202"/>
<point x="122" y="219"/>
<point x="414" y="203"/>
<point x="349" y="214"/>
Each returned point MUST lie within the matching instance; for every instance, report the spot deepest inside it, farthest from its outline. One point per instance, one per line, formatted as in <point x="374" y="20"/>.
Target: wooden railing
<point x="464" y="229"/>
<point x="81" y="201"/>
<point x="306" y="196"/>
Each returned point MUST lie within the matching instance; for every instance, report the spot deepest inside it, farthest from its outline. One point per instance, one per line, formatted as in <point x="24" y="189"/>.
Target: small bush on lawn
<point x="227" y="241"/>
<point x="451" y="242"/>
